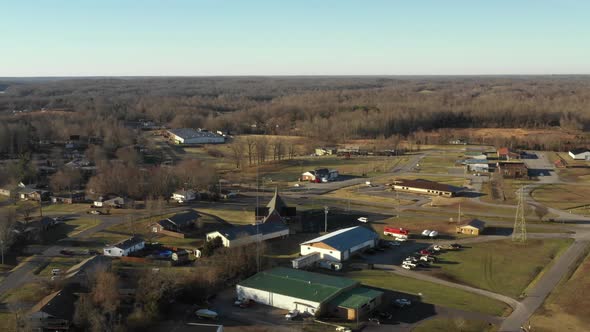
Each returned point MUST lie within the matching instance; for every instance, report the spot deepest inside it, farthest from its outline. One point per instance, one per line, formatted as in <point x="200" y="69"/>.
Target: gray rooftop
<point x="345" y="238"/>
<point x="187" y="133"/>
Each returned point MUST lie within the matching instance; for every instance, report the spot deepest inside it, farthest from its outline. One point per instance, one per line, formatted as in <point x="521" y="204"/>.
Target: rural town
<point x="286" y="201"/>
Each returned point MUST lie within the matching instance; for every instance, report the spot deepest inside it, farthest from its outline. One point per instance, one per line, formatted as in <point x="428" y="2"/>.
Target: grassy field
<point x="500" y="266"/>
<point x="431" y="293"/>
<point x="509" y="190"/>
<point x="63" y="263"/>
<point x="353" y="193"/>
<point x="439" y="162"/>
<point x="82" y="224"/>
<point x="454" y="325"/>
<point x="238" y="217"/>
<point x="568" y="306"/>
<point x="31" y="292"/>
<point x="7" y="322"/>
<point x="564" y="197"/>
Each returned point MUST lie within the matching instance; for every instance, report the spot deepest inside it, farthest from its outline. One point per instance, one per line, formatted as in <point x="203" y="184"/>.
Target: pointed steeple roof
<point x="276" y="203"/>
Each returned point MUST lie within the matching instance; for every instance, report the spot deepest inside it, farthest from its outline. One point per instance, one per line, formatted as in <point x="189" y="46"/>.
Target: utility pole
<point x="2" y="249"/>
<point x="519" y="232"/>
<point x="326" y="210"/>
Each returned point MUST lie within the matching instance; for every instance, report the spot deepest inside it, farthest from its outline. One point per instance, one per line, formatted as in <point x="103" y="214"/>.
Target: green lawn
<point x="500" y="266"/>
<point x="453" y="325"/>
<point x="431" y="293"/>
<point x="66" y="208"/>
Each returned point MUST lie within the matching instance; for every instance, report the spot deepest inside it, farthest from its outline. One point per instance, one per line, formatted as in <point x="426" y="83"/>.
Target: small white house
<point x="342" y="244"/>
<point x="124" y="248"/>
<point x="580" y="154"/>
<point x="182" y="196"/>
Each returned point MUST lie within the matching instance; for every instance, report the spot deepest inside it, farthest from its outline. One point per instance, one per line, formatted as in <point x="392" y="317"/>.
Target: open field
<point x="440" y="162"/>
<point x="63" y="263"/>
<point x="238" y="217"/>
<point x="500" y="266"/>
<point x="454" y="325"/>
<point x="8" y="322"/>
<point x="431" y="293"/>
<point x="31" y="292"/>
<point x="574" y="199"/>
<point x="508" y="189"/>
<point x="568" y="306"/>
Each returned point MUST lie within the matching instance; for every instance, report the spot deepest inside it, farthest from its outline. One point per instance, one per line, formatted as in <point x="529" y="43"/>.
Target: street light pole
<point x="326" y="210"/>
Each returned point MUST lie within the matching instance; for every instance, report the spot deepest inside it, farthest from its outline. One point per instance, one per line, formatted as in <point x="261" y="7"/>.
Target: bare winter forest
<point x="328" y="108"/>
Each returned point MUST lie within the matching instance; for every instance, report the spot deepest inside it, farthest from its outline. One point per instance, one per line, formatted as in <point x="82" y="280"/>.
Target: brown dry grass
<point x="568" y="306"/>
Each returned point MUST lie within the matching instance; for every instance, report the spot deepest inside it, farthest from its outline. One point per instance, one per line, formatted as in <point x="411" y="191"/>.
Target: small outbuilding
<point x="471" y="227"/>
<point x="580" y="154"/>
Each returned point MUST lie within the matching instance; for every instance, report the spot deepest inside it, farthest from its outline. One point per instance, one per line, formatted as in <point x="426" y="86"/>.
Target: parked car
<point x="407" y="267"/>
<point x="374" y="320"/>
<point x="96" y="212"/>
<point x="410" y="264"/>
<point x="437" y="248"/>
<point x="425" y="252"/>
<point x="292" y="314"/>
<point x="426" y="233"/>
<point x="426" y="258"/>
<point x="401" y="303"/>
<point x="363" y="219"/>
<point x="55" y="272"/>
<point x="343" y="329"/>
<point x="433" y="234"/>
<point x="206" y="314"/>
<point x="401" y="239"/>
<point x="456" y="245"/>
<point x="411" y="259"/>
<point x="423" y="264"/>
<point x="66" y="252"/>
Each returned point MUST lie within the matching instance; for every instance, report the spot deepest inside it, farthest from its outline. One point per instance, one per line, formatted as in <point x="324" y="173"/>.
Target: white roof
<point x="329" y="235"/>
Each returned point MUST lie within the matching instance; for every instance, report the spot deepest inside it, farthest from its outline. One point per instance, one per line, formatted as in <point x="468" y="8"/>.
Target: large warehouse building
<point x="342" y="244"/>
<point x="194" y="136"/>
<point x="308" y="292"/>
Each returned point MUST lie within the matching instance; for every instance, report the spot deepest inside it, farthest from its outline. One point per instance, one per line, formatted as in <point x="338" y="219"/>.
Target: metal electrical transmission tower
<point x="519" y="232"/>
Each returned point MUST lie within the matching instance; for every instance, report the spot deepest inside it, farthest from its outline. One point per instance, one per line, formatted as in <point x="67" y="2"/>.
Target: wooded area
<point x="330" y="108"/>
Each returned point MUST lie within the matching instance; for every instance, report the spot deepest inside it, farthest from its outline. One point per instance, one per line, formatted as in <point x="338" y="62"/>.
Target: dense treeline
<point x="333" y="108"/>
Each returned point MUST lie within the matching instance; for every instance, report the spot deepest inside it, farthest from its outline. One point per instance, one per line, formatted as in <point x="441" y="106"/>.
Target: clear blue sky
<point x="297" y="37"/>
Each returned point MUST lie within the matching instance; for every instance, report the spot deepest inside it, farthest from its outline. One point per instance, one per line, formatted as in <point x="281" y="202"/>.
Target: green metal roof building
<point x="309" y="292"/>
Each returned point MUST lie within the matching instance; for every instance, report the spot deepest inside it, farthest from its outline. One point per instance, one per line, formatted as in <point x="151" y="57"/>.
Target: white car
<point x="408" y="263"/>
<point x="426" y="232"/>
<point x="363" y="219"/>
<point x="406" y="266"/>
<point x="433" y="234"/>
<point x="402" y="302"/>
<point x="292" y="314"/>
<point x="401" y="239"/>
<point x="437" y="248"/>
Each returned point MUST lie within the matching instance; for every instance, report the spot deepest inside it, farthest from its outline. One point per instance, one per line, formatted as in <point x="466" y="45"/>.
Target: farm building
<point x="320" y="175"/>
<point x="272" y="227"/>
<point x="182" y="196"/>
<point x="426" y="187"/>
<point x="325" y="151"/>
<point x="476" y="165"/>
<point x="580" y="154"/>
<point x="472" y="227"/>
<point x="124" y="248"/>
<point x="313" y="293"/>
<point x="194" y="136"/>
<point x="513" y="169"/>
<point x="507" y="154"/>
<point x="342" y="244"/>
